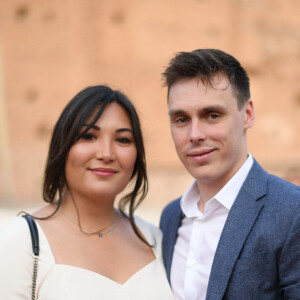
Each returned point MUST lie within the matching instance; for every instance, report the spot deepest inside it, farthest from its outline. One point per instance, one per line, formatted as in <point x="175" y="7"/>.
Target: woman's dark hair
<point x="68" y="130"/>
<point x="204" y="64"/>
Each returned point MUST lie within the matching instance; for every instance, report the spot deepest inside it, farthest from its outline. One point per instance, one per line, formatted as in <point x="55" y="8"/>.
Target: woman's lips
<point x="201" y="156"/>
<point x="104" y="171"/>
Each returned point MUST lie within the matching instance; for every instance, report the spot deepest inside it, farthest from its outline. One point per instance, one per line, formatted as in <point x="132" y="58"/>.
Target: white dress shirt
<point x="199" y="234"/>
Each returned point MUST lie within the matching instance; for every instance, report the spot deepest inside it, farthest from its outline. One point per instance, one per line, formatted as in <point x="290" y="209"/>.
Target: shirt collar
<point x="230" y="190"/>
<point x="225" y="196"/>
<point x="190" y="200"/>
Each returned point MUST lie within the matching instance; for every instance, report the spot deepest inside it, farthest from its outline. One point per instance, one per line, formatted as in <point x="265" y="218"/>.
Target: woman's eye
<point x="88" y="137"/>
<point x="123" y="140"/>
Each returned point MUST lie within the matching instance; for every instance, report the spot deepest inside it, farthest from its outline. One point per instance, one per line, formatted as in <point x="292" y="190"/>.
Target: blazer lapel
<point x="240" y="221"/>
<point x="170" y="235"/>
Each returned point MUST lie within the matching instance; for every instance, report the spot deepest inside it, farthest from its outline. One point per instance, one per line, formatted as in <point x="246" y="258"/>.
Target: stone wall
<point x="49" y="50"/>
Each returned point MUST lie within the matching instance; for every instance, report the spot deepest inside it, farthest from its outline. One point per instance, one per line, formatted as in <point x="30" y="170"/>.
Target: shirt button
<point x="193" y="263"/>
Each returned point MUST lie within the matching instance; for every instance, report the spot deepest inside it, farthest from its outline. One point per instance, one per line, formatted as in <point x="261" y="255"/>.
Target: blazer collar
<point x="239" y="223"/>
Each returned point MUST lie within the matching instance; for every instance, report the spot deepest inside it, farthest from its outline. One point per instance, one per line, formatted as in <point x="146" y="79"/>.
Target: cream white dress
<point x="63" y="282"/>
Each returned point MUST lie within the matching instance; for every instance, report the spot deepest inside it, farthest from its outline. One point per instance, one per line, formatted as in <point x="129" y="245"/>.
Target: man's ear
<point x="248" y="114"/>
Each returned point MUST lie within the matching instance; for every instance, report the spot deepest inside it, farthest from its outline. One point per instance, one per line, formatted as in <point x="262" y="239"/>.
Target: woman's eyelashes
<point x="88" y="136"/>
<point x="121" y="140"/>
<point x="124" y="140"/>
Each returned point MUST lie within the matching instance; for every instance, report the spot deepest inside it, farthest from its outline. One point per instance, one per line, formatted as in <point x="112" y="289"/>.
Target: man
<point x="235" y="233"/>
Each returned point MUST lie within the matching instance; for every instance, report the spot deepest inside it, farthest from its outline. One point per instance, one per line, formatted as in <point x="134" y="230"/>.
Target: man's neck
<point x="207" y="191"/>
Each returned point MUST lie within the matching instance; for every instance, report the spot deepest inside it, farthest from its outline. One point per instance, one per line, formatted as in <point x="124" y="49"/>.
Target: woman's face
<point x="101" y="163"/>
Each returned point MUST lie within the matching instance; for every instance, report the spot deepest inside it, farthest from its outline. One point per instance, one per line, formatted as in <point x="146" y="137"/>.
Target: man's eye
<point x="123" y="140"/>
<point x="214" y="116"/>
<point x="88" y="137"/>
<point x="181" y="120"/>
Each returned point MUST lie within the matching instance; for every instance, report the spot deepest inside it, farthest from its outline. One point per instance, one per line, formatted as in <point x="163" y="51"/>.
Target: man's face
<point x="208" y="129"/>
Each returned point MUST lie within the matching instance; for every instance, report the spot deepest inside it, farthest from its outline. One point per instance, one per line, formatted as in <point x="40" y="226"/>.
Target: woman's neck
<point x="91" y="214"/>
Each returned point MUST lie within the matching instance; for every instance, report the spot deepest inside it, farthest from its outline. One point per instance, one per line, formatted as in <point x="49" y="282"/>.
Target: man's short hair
<point x="204" y="64"/>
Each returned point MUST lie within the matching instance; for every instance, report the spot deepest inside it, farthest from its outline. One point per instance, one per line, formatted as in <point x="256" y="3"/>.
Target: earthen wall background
<point x="49" y="50"/>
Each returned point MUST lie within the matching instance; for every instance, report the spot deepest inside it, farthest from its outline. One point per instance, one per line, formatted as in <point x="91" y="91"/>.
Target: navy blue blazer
<point x="258" y="254"/>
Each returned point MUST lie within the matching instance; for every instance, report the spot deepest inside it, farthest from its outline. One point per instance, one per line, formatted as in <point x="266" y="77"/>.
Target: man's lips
<point x="103" y="171"/>
<point x="200" y="156"/>
<point x="200" y="152"/>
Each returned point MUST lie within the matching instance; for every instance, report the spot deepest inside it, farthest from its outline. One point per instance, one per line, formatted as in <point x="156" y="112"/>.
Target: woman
<point x="89" y="249"/>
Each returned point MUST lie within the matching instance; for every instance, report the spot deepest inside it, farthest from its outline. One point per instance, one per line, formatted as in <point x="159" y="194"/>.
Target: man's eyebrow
<point x="176" y="112"/>
<point x="213" y="108"/>
<point x="204" y="110"/>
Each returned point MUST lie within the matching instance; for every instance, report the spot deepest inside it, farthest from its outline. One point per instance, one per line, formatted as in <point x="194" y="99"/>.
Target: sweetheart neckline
<point x="105" y="277"/>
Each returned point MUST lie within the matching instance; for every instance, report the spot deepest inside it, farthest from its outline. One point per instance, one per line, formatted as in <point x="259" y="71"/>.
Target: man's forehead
<point x="218" y="81"/>
<point x="192" y="92"/>
<point x="195" y="86"/>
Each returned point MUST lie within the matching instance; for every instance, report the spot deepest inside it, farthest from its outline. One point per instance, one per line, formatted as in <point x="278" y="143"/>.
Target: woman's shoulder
<point x="15" y="257"/>
<point x="146" y="226"/>
<point x="151" y="232"/>
<point x="15" y="240"/>
<point x="14" y="231"/>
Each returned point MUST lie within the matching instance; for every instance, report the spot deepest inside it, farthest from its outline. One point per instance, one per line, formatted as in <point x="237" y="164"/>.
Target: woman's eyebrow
<point x="117" y="130"/>
<point x="124" y="129"/>
<point x="94" y="127"/>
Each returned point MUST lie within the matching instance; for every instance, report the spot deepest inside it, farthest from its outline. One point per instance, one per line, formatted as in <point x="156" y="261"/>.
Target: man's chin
<point x="203" y="177"/>
<point x="201" y="172"/>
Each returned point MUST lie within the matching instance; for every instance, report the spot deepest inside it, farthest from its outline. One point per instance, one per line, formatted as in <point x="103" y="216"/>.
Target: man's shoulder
<point x="280" y="183"/>
<point x="277" y="183"/>
<point x="275" y="188"/>
<point x="171" y="212"/>
<point x="172" y="206"/>
<point x="287" y="192"/>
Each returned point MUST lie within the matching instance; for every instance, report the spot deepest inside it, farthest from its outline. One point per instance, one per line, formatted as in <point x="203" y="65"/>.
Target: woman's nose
<point x="105" y="151"/>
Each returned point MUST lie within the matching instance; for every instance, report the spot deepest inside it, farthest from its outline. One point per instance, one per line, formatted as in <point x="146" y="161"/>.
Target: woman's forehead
<point x="113" y="113"/>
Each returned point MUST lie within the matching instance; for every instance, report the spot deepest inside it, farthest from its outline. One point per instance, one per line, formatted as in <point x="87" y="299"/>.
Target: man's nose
<point x="197" y="132"/>
<point x="105" y="151"/>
